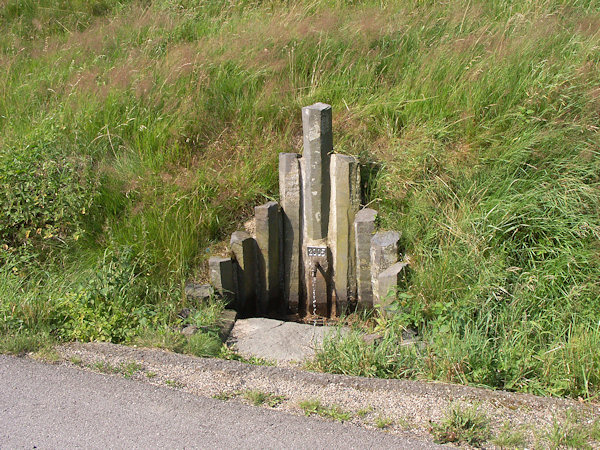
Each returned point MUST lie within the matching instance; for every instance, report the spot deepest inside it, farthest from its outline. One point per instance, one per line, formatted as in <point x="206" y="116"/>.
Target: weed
<point x="225" y="395"/>
<point x="510" y="437"/>
<point x="76" y="360"/>
<point x="47" y="354"/>
<point x="363" y="412"/>
<point x="335" y="412"/>
<point x="462" y="424"/>
<point x="174" y="384"/>
<point x="568" y="433"/>
<point x="125" y="369"/>
<point x="258" y="398"/>
<point x="383" y="422"/>
<point x="23" y="342"/>
<point x="151" y="375"/>
<point x="203" y="344"/>
<point x="105" y="367"/>
<point x="230" y="354"/>
<point x="129" y="369"/>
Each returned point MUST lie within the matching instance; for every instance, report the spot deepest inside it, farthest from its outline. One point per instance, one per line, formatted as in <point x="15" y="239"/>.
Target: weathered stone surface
<point x="291" y="202"/>
<point x="198" y="292"/>
<point x="268" y="237"/>
<point x="315" y="162"/>
<point x="189" y="330"/>
<point x="384" y="253"/>
<point x="388" y="280"/>
<point x="345" y="202"/>
<point x="320" y="304"/>
<point x="243" y="247"/>
<point x="226" y="323"/>
<point x="184" y="313"/>
<point x="364" y="227"/>
<point x="275" y="340"/>
<point x="318" y="144"/>
<point x="222" y="277"/>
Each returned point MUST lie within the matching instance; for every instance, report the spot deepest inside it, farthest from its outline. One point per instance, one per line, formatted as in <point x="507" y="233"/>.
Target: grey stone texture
<point x="222" y="277"/>
<point x="275" y="340"/>
<point x="364" y="227"/>
<point x="244" y="249"/>
<point x="290" y="185"/>
<point x="388" y="280"/>
<point x="268" y="237"/>
<point x="226" y="323"/>
<point x="384" y="253"/>
<point x="198" y="292"/>
<point x="345" y="203"/>
<point x="318" y="144"/>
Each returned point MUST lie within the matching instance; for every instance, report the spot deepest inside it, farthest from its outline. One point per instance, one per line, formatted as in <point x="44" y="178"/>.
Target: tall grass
<point x="479" y="121"/>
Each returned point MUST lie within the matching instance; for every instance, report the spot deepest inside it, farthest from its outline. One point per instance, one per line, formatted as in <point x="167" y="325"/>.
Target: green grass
<point x="335" y="412"/>
<point x="259" y="398"/>
<point x="463" y="424"/>
<point x="135" y="136"/>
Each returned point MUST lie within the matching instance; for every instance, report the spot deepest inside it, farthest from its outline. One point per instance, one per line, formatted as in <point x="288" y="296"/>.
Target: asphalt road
<point x="54" y="406"/>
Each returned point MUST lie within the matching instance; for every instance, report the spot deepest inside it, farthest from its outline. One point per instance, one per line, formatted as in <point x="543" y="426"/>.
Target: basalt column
<point x="364" y="227"/>
<point x="318" y="145"/>
<point x="345" y="202"/>
<point x="243" y="247"/>
<point x="268" y="236"/>
<point x="291" y="205"/>
<point x="384" y="253"/>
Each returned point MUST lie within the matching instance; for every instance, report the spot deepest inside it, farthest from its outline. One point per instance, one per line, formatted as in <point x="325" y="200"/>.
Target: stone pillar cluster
<point x="315" y="253"/>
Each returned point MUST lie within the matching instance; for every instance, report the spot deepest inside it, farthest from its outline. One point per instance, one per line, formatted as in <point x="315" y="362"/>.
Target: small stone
<point x="198" y="292"/>
<point x="189" y="330"/>
<point x="184" y="313"/>
<point x="372" y="338"/>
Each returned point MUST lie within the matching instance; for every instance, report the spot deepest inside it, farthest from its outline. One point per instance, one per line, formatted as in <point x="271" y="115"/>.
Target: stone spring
<point x="315" y="255"/>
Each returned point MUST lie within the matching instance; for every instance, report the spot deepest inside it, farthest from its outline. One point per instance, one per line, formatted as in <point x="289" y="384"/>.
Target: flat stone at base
<point x="198" y="292"/>
<point x="275" y="340"/>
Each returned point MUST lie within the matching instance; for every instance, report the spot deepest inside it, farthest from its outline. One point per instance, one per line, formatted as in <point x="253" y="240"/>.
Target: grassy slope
<point x="479" y="120"/>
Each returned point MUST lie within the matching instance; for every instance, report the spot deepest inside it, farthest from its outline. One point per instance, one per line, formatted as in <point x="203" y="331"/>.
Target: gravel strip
<point x="411" y="405"/>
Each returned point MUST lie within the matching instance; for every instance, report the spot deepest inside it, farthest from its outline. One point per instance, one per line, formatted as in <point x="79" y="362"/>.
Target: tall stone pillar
<point x="345" y="202"/>
<point x="364" y="227"/>
<point x="243" y="247"/>
<point x="290" y="186"/>
<point x="318" y="145"/>
<point x="384" y="253"/>
<point x="268" y="236"/>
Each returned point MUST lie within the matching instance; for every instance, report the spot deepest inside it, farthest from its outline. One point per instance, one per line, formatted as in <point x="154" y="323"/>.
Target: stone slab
<point x="275" y="340"/>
